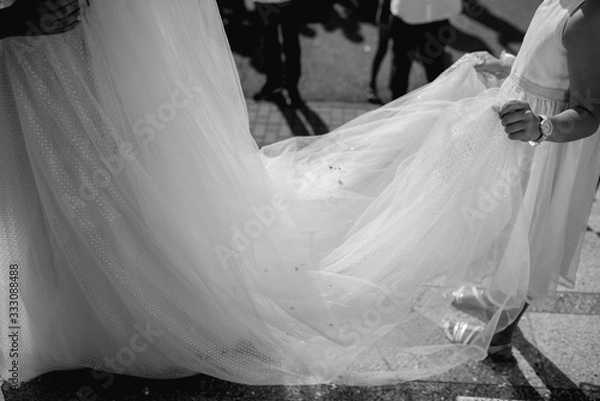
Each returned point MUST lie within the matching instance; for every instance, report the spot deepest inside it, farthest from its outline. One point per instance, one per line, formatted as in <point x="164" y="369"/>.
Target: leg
<point x="500" y="349"/>
<point x="271" y="49"/>
<point x="501" y="345"/>
<point x="434" y="39"/>
<point x="290" y="29"/>
<point x="384" y="19"/>
<point x="403" y="53"/>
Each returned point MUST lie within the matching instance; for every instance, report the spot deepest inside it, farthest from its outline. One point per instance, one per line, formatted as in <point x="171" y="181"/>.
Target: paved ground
<point x="338" y="47"/>
<point x="558" y="341"/>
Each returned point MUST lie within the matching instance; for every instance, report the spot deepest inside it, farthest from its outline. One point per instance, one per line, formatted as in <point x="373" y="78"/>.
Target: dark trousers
<point x="424" y="43"/>
<point x="281" y="55"/>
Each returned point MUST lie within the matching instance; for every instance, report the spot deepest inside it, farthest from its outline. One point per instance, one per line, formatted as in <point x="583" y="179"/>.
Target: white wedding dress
<point x="150" y="236"/>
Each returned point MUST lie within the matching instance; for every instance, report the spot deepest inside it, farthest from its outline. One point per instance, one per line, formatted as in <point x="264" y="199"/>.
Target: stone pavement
<point x="275" y="121"/>
<point x="557" y="345"/>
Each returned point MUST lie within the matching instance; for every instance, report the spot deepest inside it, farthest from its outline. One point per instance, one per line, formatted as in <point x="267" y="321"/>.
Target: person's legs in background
<point x="434" y="38"/>
<point x="290" y="29"/>
<point x="270" y="16"/>
<point x="403" y="36"/>
<point x="425" y="43"/>
<point x="384" y="20"/>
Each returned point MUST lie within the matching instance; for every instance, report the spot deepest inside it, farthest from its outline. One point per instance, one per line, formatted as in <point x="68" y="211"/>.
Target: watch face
<point x="546" y="127"/>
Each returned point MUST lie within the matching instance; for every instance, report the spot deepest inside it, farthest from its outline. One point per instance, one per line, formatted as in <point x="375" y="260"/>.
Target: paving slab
<point x="570" y="348"/>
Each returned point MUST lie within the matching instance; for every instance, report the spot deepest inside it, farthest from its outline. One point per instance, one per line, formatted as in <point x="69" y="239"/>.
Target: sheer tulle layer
<point x="559" y="195"/>
<point x="154" y="239"/>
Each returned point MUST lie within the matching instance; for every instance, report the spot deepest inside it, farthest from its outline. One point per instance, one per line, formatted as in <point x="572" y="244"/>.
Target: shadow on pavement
<point x="467" y="43"/>
<point x="244" y="29"/>
<point x="508" y="33"/>
<point x="302" y="121"/>
<point x="88" y="385"/>
<point x="561" y="387"/>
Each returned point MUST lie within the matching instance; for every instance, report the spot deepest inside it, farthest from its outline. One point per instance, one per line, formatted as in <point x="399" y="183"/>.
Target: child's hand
<point x="491" y="65"/>
<point x="519" y="121"/>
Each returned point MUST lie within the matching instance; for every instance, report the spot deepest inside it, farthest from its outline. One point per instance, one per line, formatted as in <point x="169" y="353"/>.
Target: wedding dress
<point x="143" y="232"/>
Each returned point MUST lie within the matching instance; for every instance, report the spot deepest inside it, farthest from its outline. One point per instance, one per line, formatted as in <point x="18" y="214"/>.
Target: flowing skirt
<point x="143" y="232"/>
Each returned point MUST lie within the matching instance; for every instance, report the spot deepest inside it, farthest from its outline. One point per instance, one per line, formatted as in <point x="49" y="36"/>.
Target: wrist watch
<point x="546" y="129"/>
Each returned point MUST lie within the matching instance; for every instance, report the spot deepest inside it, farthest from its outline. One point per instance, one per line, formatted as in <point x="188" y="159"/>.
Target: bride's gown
<point x="154" y="238"/>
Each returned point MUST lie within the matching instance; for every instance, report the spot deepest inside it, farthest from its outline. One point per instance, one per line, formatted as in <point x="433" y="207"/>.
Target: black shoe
<point x="373" y="97"/>
<point x="500" y="349"/>
<point x="296" y="101"/>
<point x="502" y="353"/>
<point x="267" y="91"/>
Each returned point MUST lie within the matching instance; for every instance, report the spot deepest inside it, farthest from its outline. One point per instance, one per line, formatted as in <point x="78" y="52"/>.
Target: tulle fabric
<point x="154" y="239"/>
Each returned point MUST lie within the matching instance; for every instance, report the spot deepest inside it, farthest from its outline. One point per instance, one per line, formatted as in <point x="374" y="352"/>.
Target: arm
<point x="39" y="17"/>
<point x="582" y="41"/>
<point x="582" y="119"/>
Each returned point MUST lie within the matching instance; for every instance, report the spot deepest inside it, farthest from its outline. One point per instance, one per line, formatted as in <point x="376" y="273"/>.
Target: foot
<point x="501" y="353"/>
<point x="267" y="91"/>
<point x="471" y="298"/>
<point x="296" y="100"/>
<point x="373" y="96"/>
<point x="461" y="332"/>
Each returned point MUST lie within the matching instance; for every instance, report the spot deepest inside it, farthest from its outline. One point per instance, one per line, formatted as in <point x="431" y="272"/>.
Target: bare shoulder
<point x="583" y="28"/>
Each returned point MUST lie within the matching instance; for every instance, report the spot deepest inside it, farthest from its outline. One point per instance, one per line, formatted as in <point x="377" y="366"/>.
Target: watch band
<point x="545" y="128"/>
